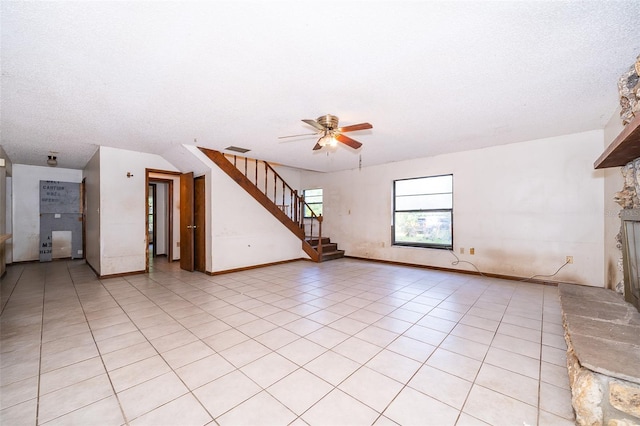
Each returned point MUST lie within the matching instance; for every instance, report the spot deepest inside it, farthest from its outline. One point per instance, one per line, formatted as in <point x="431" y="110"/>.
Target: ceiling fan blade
<point x="295" y="136"/>
<point x="318" y="146"/>
<point x="354" y="127"/>
<point x="315" y="124"/>
<point x="348" y="141"/>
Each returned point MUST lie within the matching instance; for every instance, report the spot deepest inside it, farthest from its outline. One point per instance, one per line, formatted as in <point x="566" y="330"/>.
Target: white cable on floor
<point x="458" y="261"/>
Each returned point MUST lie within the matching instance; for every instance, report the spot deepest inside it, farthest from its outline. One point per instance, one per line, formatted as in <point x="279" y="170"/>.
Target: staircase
<point x="264" y="184"/>
<point x="328" y="251"/>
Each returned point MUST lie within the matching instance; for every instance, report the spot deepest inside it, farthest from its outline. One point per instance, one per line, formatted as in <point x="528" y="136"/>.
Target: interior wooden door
<point x="186" y="222"/>
<point x="200" y="262"/>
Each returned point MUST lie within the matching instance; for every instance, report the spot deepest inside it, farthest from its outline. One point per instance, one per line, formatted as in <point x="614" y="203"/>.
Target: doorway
<point x="158" y="225"/>
<point x="159" y="214"/>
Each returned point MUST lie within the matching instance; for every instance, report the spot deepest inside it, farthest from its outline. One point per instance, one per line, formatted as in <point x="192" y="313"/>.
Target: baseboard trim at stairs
<point x="248" y="268"/>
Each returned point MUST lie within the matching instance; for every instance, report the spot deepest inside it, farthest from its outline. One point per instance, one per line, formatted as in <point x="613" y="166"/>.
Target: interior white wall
<point x="524" y="207"/>
<point x="91" y="175"/>
<point x="26" y="206"/>
<point x="613" y="183"/>
<point x="242" y="232"/>
<point x="123" y="208"/>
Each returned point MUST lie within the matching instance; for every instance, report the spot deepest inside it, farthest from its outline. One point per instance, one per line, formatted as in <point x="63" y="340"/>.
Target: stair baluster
<point x="292" y="215"/>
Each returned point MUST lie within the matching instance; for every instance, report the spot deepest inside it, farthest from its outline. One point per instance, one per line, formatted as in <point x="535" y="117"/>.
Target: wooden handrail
<point x="291" y="215"/>
<point x="295" y="213"/>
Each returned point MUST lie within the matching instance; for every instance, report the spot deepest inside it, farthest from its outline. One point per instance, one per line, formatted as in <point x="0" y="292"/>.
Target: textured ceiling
<point x="432" y="77"/>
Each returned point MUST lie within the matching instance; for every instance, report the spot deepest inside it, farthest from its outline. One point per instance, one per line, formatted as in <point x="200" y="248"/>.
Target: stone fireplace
<point x="602" y="327"/>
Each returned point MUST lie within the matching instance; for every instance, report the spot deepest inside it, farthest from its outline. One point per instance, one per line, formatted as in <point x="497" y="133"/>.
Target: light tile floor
<point x="345" y="342"/>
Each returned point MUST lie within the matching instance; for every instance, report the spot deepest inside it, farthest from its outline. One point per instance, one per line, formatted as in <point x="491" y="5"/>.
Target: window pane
<point x="317" y="209"/>
<point x="423" y="228"/>
<point x="424" y="202"/>
<point x="428" y="185"/>
<point x="313" y="197"/>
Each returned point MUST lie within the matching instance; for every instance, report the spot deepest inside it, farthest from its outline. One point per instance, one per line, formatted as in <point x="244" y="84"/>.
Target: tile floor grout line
<point x="337" y="292"/>
<point x="106" y="371"/>
<point x="4" y="306"/>
<point x="189" y="391"/>
<point x="44" y="281"/>
<point x="363" y="365"/>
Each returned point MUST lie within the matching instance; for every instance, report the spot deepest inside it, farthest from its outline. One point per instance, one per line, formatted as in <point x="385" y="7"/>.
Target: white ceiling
<point x="432" y="77"/>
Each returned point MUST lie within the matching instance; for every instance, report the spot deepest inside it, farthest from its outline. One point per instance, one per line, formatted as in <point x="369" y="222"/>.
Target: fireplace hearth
<point x="603" y="356"/>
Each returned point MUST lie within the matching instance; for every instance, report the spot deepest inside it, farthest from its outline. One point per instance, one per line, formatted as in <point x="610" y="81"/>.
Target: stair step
<point x="314" y="241"/>
<point x="337" y="254"/>
<point x="328" y="248"/>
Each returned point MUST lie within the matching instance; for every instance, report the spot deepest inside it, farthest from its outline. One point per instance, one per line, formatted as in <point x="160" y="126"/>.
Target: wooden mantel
<point x="624" y="148"/>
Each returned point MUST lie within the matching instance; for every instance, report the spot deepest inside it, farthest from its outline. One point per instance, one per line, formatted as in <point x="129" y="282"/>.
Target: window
<point x="313" y="198"/>
<point x="423" y="212"/>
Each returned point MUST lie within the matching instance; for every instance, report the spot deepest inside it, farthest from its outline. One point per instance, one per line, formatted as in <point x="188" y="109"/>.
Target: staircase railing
<point x="269" y="182"/>
<point x="267" y="187"/>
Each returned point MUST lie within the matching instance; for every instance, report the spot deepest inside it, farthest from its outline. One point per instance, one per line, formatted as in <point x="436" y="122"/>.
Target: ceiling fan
<point x="331" y="134"/>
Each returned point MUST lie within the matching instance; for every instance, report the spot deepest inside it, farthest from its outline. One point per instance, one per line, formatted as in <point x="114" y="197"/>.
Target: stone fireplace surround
<point x="602" y="332"/>
<point x="603" y="356"/>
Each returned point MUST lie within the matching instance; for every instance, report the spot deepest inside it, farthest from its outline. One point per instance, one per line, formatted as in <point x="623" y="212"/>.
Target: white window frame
<point x="434" y="204"/>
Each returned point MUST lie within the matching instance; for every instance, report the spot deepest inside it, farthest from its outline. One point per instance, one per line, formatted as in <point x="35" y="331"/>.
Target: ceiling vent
<point x="237" y="149"/>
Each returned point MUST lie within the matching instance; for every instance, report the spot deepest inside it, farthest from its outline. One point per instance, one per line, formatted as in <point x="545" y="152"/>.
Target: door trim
<point x="148" y="179"/>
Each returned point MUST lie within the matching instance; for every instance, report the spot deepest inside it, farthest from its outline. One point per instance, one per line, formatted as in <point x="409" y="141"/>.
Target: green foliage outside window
<point x="313" y="197"/>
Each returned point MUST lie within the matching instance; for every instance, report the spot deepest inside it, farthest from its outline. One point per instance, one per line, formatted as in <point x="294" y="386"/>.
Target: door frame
<point x="170" y="191"/>
<point x="152" y="188"/>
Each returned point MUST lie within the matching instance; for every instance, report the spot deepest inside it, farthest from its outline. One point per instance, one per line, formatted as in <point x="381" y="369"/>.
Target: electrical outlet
<point x="472" y="251"/>
<point x="569" y="259"/>
<point x="461" y="250"/>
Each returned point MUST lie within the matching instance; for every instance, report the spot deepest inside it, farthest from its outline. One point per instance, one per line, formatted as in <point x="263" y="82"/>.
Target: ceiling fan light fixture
<point x="52" y="161"/>
<point x="327" y="140"/>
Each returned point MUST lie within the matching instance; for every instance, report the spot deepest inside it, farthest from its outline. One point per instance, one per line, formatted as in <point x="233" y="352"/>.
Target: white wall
<point x="26" y="206"/>
<point x="613" y="183"/>
<point x="123" y="208"/>
<point x="241" y="231"/>
<point x="523" y="207"/>
<point x="91" y="174"/>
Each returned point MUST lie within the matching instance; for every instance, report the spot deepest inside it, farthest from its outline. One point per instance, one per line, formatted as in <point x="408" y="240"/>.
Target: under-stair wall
<point x="275" y="195"/>
<point x="243" y="233"/>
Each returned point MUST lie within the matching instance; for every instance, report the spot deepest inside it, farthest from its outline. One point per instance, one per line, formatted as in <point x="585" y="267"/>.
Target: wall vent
<point x="237" y="149"/>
